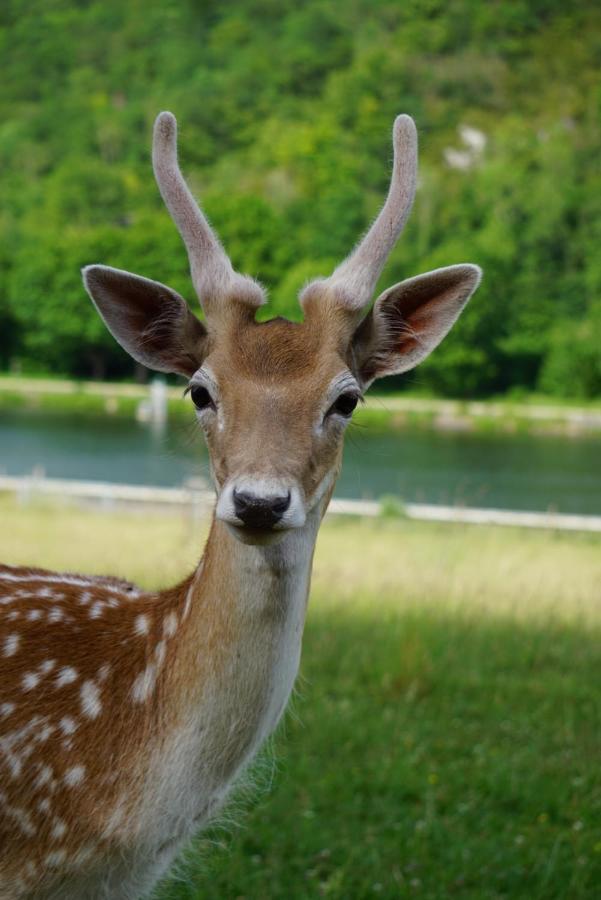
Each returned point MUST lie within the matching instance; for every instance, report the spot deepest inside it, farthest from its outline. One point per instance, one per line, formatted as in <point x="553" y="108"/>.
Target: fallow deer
<point x="126" y="715"/>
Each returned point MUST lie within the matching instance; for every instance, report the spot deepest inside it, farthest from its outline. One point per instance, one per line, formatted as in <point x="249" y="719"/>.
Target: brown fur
<point x="280" y="374"/>
<point x="114" y="748"/>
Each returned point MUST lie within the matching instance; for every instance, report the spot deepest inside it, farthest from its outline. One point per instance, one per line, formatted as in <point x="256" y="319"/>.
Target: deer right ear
<point x="150" y="320"/>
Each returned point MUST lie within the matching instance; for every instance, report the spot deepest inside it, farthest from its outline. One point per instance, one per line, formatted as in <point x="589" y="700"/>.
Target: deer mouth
<point x="256" y="536"/>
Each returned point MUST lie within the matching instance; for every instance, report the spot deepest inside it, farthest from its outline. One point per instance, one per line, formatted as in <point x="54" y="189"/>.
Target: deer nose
<point x="260" y="512"/>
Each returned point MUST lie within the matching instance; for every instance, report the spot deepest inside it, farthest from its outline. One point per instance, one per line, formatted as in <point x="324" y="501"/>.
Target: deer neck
<point x="235" y="660"/>
<point x="254" y="581"/>
<point x="247" y="607"/>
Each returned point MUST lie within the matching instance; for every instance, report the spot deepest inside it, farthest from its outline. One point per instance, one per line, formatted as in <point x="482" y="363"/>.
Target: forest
<point x="285" y="112"/>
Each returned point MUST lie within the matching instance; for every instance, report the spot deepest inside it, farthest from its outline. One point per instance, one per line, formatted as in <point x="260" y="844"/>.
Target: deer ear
<point x="410" y="319"/>
<point x="151" y="321"/>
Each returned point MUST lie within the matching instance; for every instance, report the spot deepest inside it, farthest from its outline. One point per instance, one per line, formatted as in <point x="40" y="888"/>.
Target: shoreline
<point x="388" y="412"/>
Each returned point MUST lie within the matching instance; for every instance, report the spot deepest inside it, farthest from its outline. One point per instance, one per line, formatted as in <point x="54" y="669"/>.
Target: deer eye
<point x="344" y="405"/>
<point x="201" y="398"/>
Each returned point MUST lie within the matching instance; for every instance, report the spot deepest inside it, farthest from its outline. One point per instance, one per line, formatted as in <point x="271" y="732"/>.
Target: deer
<point x="127" y="715"/>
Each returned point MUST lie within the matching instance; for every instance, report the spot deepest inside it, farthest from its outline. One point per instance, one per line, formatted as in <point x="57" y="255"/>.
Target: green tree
<point x="285" y="114"/>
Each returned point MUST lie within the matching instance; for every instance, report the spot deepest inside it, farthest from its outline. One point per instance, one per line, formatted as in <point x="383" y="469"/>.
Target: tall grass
<point x="446" y="734"/>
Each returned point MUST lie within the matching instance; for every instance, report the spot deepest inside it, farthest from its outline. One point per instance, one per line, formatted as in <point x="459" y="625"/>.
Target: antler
<point x="353" y="281"/>
<point x="213" y="276"/>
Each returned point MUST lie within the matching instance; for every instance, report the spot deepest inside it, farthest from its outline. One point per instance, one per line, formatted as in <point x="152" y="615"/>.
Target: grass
<point x="446" y="734"/>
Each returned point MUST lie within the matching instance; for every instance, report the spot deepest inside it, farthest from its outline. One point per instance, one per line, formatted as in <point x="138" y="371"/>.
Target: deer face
<point x="274" y="398"/>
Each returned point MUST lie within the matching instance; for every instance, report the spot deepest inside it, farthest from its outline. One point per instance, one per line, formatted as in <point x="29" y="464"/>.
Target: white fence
<point x="197" y="496"/>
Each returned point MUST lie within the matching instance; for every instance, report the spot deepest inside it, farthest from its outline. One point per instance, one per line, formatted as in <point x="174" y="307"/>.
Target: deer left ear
<point x="150" y="320"/>
<point x="410" y="319"/>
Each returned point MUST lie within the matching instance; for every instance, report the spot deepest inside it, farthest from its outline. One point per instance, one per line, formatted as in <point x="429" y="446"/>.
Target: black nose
<point x="260" y="512"/>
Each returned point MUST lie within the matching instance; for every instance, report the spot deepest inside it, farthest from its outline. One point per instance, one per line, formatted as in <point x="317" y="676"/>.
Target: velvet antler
<point x="352" y="283"/>
<point x="213" y="276"/>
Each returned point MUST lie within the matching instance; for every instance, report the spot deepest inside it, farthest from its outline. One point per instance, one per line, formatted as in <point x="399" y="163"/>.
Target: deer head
<point x="274" y="398"/>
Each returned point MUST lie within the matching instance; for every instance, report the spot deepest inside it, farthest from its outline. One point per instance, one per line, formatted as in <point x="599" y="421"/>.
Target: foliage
<point x="285" y="113"/>
<point x="580" y="371"/>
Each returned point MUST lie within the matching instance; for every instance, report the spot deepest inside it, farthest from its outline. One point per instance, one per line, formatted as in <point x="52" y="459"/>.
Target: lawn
<point x="446" y="734"/>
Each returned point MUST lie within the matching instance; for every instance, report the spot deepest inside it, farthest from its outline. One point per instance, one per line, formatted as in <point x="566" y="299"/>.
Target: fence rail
<point x="197" y="495"/>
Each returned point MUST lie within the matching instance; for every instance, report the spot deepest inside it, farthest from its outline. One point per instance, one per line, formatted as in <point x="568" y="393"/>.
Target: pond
<point x="516" y="471"/>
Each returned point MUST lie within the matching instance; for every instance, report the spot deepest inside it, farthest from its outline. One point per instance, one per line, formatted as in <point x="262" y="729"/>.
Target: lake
<point x="512" y="471"/>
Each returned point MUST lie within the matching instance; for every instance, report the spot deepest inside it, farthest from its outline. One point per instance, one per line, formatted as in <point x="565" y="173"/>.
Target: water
<point x="507" y="471"/>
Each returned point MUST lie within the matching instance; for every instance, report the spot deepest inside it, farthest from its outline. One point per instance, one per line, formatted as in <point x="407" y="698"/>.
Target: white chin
<point x="255" y="536"/>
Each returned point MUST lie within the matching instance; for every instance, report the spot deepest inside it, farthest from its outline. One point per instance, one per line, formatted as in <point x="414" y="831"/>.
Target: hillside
<point x="285" y="112"/>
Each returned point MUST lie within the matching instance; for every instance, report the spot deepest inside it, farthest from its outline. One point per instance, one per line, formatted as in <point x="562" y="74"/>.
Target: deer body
<point x="126" y="716"/>
<point x="117" y="756"/>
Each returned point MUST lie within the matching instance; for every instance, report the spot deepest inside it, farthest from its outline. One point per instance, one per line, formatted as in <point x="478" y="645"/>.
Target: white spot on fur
<point x="144" y="684"/>
<point x="84" y="854"/>
<point x="6" y="709"/>
<point x="15" y="746"/>
<point x="14" y="764"/>
<point x="24" y="822"/>
<point x="90" y="700"/>
<point x="44" y="805"/>
<point x="58" y="580"/>
<point x="59" y="829"/>
<point x="44" y="777"/>
<point x="19" y="815"/>
<point x="45" y="733"/>
<point x="47" y="666"/>
<point x="188" y="604"/>
<point x="34" y="614"/>
<point x="56" y="615"/>
<point x="103" y="672"/>
<point x="30" y="680"/>
<point x="11" y="644"/>
<point x="67" y="725"/>
<point x="74" y="776"/>
<point x="66" y="675"/>
<point x="170" y="625"/>
<point x="28" y="749"/>
<point x="141" y="625"/>
<point x="159" y="652"/>
<point x="97" y="610"/>
<point x="56" y="858"/>
<point x="85" y="598"/>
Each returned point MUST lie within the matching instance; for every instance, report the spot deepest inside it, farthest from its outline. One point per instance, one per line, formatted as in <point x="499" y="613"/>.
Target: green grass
<point x="445" y="739"/>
